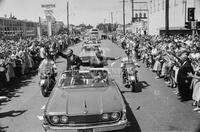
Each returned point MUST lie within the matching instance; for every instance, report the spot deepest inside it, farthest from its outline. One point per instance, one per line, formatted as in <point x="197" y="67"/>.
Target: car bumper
<point x="99" y="128"/>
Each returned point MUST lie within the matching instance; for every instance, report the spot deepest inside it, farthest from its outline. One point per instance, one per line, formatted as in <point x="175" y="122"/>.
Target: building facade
<point x="55" y="27"/>
<point x="13" y="28"/>
<point x="177" y="15"/>
<point x="139" y="10"/>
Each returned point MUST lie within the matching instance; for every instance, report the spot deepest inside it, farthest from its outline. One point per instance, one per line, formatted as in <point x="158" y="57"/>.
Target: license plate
<point x="85" y="130"/>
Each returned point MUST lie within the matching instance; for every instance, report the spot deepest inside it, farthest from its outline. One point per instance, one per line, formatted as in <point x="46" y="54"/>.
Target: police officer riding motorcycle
<point x="47" y="73"/>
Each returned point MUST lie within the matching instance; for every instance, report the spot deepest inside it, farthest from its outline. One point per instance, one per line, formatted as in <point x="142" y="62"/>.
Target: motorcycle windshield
<point x="45" y="71"/>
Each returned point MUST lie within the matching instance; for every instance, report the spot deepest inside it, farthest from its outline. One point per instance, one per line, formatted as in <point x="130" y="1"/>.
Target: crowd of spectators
<point x="175" y="58"/>
<point x="19" y="58"/>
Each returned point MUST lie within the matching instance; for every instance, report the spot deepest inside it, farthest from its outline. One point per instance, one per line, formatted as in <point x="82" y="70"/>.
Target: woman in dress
<point x="196" y="88"/>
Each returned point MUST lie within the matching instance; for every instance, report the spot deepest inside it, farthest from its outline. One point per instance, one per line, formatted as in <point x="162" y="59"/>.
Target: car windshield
<point x="84" y="79"/>
<point x="90" y="48"/>
<point x="94" y="33"/>
<point x="86" y="48"/>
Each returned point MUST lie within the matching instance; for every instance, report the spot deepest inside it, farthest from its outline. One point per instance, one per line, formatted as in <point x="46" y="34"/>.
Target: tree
<point x="107" y="27"/>
<point x="89" y="26"/>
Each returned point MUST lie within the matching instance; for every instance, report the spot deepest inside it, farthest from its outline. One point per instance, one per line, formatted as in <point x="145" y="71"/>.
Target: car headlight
<point x="64" y="119"/>
<point x="105" y="116"/>
<point x="124" y="115"/>
<point x="55" y="119"/>
<point x="115" y="115"/>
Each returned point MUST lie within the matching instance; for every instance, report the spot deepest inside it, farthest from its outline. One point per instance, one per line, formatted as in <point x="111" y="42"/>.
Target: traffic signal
<point x="191" y="14"/>
<point x="188" y="25"/>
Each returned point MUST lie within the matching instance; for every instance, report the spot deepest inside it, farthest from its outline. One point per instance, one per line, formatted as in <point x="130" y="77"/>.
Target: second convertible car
<point x="85" y="101"/>
<point x="88" y="53"/>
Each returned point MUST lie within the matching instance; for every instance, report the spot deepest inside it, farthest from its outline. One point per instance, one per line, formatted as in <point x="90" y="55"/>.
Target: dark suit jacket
<point x="183" y="73"/>
<point x="75" y="60"/>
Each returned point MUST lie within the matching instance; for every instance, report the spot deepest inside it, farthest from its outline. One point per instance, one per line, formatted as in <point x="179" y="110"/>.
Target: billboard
<point x="48" y="11"/>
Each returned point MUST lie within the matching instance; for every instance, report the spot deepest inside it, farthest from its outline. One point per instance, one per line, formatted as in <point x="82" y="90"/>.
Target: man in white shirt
<point x="42" y="53"/>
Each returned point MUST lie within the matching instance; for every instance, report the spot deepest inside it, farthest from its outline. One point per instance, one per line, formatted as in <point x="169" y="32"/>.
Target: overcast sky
<point x="81" y="11"/>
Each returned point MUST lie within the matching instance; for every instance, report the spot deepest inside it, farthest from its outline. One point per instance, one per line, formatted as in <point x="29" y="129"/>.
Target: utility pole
<point x="167" y="17"/>
<point x="185" y="6"/>
<point x="39" y="29"/>
<point x="111" y="17"/>
<point x="105" y="26"/>
<point x="124" y="31"/>
<point x="111" y="21"/>
<point x="68" y="17"/>
<point x="132" y="2"/>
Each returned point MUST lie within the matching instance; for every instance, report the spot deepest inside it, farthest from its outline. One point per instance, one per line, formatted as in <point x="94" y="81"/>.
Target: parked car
<point x="85" y="101"/>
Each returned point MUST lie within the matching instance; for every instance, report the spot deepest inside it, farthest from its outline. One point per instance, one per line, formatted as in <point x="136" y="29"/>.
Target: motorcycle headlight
<point x="105" y="116"/>
<point x="43" y="76"/>
<point x="63" y="119"/>
<point x="115" y="115"/>
<point x="55" y="119"/>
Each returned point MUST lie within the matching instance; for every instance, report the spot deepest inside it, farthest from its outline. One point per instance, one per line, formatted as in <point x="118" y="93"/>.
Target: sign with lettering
<point x="48" y="6"/>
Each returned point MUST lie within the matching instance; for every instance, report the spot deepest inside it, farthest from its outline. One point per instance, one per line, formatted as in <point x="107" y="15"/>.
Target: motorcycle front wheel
<point x="44" y="91"/>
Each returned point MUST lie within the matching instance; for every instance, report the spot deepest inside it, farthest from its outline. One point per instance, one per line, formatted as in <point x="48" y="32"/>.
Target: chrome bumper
<point x="99" y="128"/>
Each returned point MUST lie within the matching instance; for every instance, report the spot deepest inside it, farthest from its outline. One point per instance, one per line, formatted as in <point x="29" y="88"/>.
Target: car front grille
<point x="84" y="119"/>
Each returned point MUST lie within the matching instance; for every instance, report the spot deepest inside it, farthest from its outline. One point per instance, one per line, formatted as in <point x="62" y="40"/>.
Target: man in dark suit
<point x="73" y="61"/>
<point x="182" y="79"/>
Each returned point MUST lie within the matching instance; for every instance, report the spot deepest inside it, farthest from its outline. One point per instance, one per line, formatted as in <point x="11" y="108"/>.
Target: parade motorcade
<point x="85" y="101"/>
<point x="47" y="82"/>
<point x="88" y="53"/>
<point x="91" y="47"/>
<point x="129" y="74"/>
<point x="91" y="40"/>
<point x="94" y="35"/>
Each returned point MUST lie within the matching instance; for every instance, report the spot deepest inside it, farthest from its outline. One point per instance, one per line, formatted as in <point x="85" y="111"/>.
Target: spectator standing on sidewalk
<point x="183" y="80"/>
<point x="196" y="88"/>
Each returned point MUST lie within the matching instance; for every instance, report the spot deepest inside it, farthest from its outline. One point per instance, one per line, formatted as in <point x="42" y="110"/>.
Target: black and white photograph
<point x="99" y="65"/>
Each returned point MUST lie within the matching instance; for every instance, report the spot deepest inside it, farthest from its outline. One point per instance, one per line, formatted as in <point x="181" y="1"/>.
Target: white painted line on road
<point x="43" y="107"/>
<point x="40" y="118"/>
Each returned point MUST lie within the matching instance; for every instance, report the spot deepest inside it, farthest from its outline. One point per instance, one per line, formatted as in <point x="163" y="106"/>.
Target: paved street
<point x="154" y="107"/>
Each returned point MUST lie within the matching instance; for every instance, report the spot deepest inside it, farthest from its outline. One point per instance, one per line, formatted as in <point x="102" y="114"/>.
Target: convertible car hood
<point x="84" y="101"/>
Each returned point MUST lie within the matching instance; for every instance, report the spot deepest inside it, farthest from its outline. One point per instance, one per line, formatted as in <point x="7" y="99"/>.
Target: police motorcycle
<point x="47" y="81"/>
<point x="47" y="74"/>
<point x="129" y="73"/>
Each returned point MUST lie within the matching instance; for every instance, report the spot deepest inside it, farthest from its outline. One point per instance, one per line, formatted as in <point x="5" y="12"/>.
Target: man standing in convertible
<point x="73" y="61"/>
<point x="101" y="60"/>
